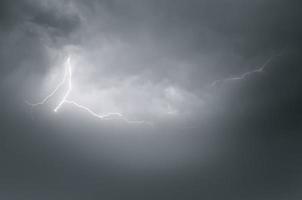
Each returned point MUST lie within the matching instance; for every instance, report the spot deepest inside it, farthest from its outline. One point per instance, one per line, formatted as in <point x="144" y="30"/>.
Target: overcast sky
<point x="220" y="82"/>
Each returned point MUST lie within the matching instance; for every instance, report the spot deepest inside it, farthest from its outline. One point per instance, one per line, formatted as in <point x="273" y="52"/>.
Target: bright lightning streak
<point x="69" y="75"/>
<point x="108" y="116"/>
<point x="64" y="100"/>
<point x="246" y="74"/>
<point x="92" y="112"/>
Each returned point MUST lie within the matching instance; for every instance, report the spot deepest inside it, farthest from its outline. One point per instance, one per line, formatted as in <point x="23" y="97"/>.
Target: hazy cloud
<point x="155" y="61"/>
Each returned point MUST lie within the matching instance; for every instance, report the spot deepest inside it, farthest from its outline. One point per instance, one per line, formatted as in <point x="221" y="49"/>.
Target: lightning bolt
<point x="68" y="77"/>
<point x="246" y="74"/>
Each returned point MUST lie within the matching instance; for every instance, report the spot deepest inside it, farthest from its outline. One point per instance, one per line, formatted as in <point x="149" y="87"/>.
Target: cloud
<point x="153" y="60"/>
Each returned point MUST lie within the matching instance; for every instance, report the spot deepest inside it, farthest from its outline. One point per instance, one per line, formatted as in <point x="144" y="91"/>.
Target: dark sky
<point x="219" y="80"/>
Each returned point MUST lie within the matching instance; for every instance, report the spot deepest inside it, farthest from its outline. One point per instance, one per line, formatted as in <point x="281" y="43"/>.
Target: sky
<point x="209" y="92"/>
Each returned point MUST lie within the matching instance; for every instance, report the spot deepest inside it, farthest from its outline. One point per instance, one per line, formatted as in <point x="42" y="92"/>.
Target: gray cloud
<point x="152" y="60"/>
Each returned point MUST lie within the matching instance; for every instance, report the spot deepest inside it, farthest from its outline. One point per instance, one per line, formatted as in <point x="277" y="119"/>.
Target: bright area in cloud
<point x="130" y="95"/>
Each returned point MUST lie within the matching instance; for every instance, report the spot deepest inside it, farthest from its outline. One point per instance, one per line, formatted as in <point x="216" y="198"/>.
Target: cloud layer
<point x="155" y="61"/>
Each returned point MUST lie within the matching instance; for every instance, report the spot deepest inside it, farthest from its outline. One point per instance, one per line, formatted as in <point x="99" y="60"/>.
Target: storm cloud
<point x="221" y="127"/>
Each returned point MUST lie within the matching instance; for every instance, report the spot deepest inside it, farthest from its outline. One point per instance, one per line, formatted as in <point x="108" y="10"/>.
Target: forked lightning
<point x="68" y="77"/>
